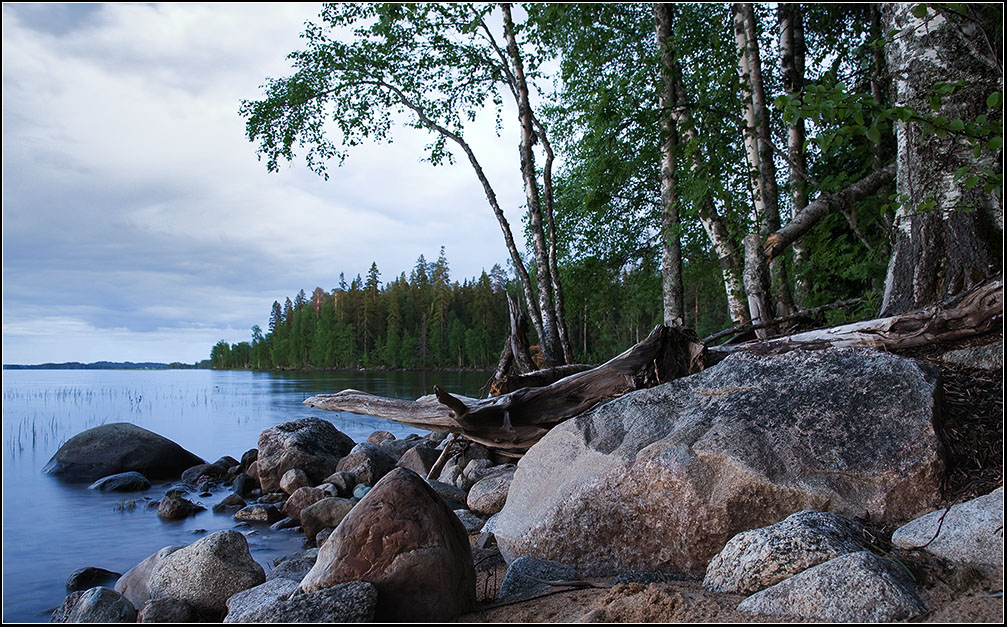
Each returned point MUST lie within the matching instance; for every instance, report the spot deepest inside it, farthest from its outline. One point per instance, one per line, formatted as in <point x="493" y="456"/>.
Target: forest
<point x="700" y="165"/>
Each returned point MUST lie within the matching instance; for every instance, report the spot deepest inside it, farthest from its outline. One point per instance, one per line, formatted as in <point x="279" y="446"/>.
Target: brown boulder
<point x="403" y="539"/>
<point x="301" y="498"/>
<point x="311" y="444"/>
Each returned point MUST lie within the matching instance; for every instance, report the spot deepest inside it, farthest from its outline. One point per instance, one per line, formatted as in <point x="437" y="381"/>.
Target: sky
<point x="138" y="222"/>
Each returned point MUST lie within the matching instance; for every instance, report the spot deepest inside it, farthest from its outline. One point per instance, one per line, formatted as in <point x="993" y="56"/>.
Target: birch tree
<point x="439" y="64"/>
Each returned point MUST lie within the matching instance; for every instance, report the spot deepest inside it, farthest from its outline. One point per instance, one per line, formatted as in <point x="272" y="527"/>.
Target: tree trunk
<point x="549" y="338"/>
<point x="759" y="147"/>
<point x="942" y="250"/>
<point x="671" y="243"/>
<point x="792" y="55"/>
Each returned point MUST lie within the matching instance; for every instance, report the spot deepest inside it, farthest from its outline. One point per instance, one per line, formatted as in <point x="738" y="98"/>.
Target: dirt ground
<point x="952" y="595"/>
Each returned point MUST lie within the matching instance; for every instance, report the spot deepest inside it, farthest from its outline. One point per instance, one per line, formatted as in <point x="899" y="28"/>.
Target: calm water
<point x="50" y="529"/>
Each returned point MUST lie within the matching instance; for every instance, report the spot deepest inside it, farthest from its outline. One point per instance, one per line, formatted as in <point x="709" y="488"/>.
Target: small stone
<point x="273" y="497"/>
<point x="173" y="507"/>
<point x="123" y="482"/>
<point x="293" y="479"/>
<point x="231" y="503"/>
<point x="258" y="513"/>
<point x="470" y="521"/>
<point x="89" y="577"/>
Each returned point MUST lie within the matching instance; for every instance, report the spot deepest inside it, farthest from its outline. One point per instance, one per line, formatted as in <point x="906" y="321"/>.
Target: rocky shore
<point x="810" y="486"/>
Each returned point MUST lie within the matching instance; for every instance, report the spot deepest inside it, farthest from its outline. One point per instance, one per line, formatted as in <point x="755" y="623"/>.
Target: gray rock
<point x="367" y="463"/>
<point x="285" y="523"/>
<point x="395" y="537"/>
<point x="326" y="512"/>
<point x="61" y="613"/>
<point x="970" y="532"/>
<point x="294" y="568"/>
<point x="115" y="448"/>
<point x="174" y="507"/>
<point x="193" y="474"/>
<point x="853" y="588"/>
<point x="351" y="602"/>
<point x="471" y="522"/>
<point x="166" y="611"/>
<point x="89" y="577"/>
<point x="135" y="582"/>
<point x="207" y="572"/>
<point x="311" y="444"/>
<point x="227" y="462"/>
<point x="230" y="504"/>
<point x="259" y="513"/>
<point x="454" y="496"/>
<point x="520" y="580"/>
<point x="661" y="479"/>
<point x="244" y="484"/>
<point x="293" y="479"/>
<point x="131" y="481"/>
<point x="759" y="558"/>
<point x="247" y="602"/>
<point x="100" y="605"/>
<point x="272" y="498"/>
<point x="420" y="458"/>
<point x="380" y="437"/>
<point x="488" y="496"/>
<point x="248" y="457"/>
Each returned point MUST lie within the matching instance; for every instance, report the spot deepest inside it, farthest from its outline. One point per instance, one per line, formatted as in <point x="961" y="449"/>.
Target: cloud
<point x="133" y="204"/>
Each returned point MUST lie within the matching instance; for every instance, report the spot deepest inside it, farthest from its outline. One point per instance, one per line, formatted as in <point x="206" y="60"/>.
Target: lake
<point x="51" y="529"/>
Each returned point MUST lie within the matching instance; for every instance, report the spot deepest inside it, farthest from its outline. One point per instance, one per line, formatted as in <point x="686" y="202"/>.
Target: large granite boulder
<point x="311" y="444"/>
<point x="660" y="479"/>
<point x="402" y="538"/>
<point x="135" y="582"/>
<point x="758" y="558"/>
<point x="853" y="588"/>
<point x="115" y="448"/>
<point x="207" y="572"/>
<point x="971" y="532"/>
<point x="350" y="602"/>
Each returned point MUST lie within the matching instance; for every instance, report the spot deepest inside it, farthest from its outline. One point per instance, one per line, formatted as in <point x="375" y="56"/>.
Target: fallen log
<point x="975" y="312"/>
<point x="518" y="419"/>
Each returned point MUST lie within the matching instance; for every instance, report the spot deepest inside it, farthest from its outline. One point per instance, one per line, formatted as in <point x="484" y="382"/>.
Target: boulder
<point x="207" y="572"/>
<point x="246" y="602"/>
<point x="756" y="559"/>
<point x="135" y="582"/>
<point x="131" y="481"/>
<point x="395" y="538"/>
<point x="525" y="577"/>
<point x="193" y="474"/>
<point x="244" y="484"/>
<point x="420" y="458"/>
<point x="301" y="498"/>
<point x="488" y="495"/>
<point x="343" y="481"/>
<point x="367" y="463"/>
<point x="115" y="448"/>
<point x="971" y="532"/>
<point x="89" y="577"/>
<point x="97" y="605"/>
<point x="248" y="457"/>
<point x="311" y="444"/>
<point x="229" y="504"/>
<point x="293" y="568"/>
<point x="853" y="588"/>
<point x="660" y="479"/>
<point x="174" y="507"/>
<point x="351" y="602"/>
<point x="166" y="611"/>
<point x="294" y="479"/>
<point x="326" y="512"/>
<point x="379" y="437"/>
<point x="259" y="513"/>
<point x="61" y="613"/>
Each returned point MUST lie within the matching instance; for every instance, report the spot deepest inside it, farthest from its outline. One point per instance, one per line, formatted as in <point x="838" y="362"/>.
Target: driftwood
<point x="978" y="311"/>
<point x="518" y="419"/>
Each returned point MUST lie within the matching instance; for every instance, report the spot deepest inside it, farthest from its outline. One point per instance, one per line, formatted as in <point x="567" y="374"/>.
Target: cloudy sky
<point x="138" y="224"/>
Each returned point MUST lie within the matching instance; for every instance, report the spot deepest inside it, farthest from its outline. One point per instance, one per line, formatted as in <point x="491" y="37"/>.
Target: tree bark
<point x="549" y="338"/>
<point x="671" y="243"/>
<point x="791" y="24"/>
<point x="759" y="147"/>
<point x="943" y="250"/>
<point x="973" y="313"/>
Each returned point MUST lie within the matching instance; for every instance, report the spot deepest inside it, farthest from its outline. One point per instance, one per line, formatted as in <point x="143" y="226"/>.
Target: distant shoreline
<point x="106" y="365"/>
